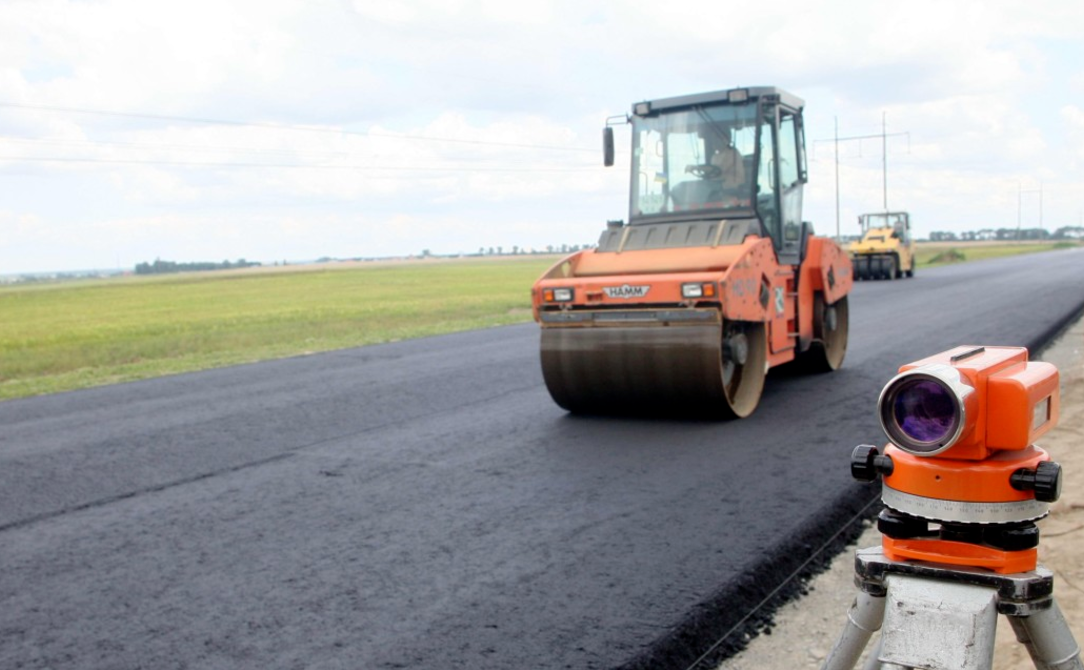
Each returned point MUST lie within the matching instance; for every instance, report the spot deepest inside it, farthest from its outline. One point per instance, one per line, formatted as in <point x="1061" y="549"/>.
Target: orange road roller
<point x="714" y="279"/>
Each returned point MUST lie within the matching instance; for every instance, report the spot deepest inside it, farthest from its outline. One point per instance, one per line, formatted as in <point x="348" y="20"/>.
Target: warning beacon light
<point x="962" y="426"/>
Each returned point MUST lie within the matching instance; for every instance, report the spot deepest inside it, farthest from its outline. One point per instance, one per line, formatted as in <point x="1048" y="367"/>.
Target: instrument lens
<point x="925" y="411"/>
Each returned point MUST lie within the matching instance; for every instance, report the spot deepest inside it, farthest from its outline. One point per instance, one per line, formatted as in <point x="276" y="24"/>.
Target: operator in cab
<point x="729" y="160"/>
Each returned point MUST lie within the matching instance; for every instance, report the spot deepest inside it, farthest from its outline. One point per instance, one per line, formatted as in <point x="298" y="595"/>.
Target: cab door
<point x="792" y="177"/>
<point x="781" y="175"/>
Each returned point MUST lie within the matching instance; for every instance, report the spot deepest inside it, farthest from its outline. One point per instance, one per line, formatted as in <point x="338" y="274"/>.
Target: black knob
<point x="1048" y="481"/>
<point x="867" y="462"/>
<point x="1012" y="536"/>
<point x="1045" y="480"/>
<point x="901" y="526"/>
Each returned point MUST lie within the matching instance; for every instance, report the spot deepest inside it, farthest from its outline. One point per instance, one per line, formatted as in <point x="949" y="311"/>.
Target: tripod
<point x="944" y="618"/>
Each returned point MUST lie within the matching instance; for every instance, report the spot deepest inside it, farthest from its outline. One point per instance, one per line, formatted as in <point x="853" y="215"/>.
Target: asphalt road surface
<point x="424" y="504"/>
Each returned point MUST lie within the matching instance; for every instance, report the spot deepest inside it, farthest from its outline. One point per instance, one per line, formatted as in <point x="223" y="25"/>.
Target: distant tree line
<point x="161" y="267"/>
<point x="519" y="251"/>
<point x="1009" y="234"/>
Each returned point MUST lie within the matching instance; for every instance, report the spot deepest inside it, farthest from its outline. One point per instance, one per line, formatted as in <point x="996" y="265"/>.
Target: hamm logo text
<point x="625" y="292"/>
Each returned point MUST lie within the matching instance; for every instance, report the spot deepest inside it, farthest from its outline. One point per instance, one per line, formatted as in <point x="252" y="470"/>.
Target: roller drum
<point x="675" y="370"/>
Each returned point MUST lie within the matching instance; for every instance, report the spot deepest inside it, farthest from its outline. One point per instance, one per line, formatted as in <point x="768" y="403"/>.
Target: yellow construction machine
<point x="886" y="250"/>
<point x="714" y="278"/>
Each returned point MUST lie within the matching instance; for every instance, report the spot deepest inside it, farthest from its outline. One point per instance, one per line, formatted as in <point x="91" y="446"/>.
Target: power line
<point x="363" y="168"/>
<point x="290" y="127"/>
<point x="155" y="146"/>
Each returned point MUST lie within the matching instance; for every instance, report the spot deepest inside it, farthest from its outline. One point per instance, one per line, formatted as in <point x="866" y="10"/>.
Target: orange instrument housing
<point x="963" y="425"/>
<point x="961" y="553"/>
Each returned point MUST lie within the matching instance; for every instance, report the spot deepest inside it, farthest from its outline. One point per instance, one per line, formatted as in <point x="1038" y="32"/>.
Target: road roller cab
<point x="714" y="279"/>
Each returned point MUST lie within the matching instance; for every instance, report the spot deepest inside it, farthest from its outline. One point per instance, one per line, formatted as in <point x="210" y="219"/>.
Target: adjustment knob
<point x="1048" y="482"/>
<point x="1044" y="480"/>
<point x="867" y="462"/>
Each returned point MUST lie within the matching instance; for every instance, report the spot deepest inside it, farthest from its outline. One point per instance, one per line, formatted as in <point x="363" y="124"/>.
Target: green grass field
<point x="56" y="337"/>
<point x="72" y="335"/>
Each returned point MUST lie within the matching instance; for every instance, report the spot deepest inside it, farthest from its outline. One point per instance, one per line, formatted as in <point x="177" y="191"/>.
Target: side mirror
<point x="608" y="146"/>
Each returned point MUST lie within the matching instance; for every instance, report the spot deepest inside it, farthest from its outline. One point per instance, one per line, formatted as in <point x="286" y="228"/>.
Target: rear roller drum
<point x="744" y="363"/>
<point x="831" y="324"/>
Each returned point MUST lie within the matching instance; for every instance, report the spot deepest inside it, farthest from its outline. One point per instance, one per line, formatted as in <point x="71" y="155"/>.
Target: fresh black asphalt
<point x="424" y="504"/>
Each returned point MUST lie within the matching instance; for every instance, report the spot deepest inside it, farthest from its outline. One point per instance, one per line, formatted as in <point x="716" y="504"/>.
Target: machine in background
<point x="886" y="250"/>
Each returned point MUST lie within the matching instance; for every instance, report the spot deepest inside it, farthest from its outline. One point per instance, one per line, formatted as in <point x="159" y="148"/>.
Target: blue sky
<point x="293" y="130"/>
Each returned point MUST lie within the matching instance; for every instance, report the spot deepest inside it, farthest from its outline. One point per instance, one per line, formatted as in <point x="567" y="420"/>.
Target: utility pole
<point x="884" y="135"/>
<point x="1020" y="205"/>
<point x="884" y="157"/>
<point x="837" y="177"/>
<point x="1040" y="206"/>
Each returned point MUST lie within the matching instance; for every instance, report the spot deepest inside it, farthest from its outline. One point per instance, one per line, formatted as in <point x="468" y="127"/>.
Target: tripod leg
<point x="863" y="619"/>
<point x="1048" y="639"/>
<point x="872" y="661"/>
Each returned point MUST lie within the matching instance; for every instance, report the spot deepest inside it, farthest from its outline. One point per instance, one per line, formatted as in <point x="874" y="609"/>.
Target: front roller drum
<point x="702" y="370"/>
<point x="877" y="267"/>
<point x="862" y="267"/>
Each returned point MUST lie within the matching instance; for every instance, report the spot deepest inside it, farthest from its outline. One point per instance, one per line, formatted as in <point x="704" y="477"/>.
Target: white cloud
<point x="981" y="87"/>
<point x="1073" y="116"/>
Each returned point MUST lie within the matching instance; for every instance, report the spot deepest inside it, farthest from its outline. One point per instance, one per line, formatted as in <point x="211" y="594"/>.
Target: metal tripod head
<point x="936" y="617"/>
